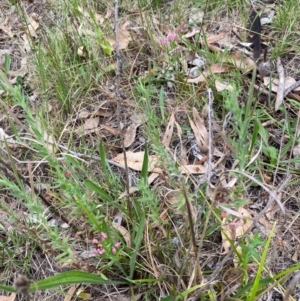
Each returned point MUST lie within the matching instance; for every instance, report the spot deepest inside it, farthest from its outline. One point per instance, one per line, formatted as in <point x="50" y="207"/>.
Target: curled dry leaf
<point x="193" y="169"/>
<point x="221" y="87"/>
<point x="215" y="69"/>
<point x="280" y="90"/>
<point x="124" y="37"/>
<point x="288" y="81"/>
<point x="200" y="131"/>
<point x="124" y="232"/>
<point x="71" y="292"/>
<point x="33" y="25"/>
<point x="169" y="131"/>
<point x="7" y="30"/>
<point x="5" y="137"/>
<point x="241" y="61"/>
<point x="130" y="132"/>
<point x="132" y="190"/>
<point x="135" y="161"/>
<point x="12" y="297"/>
<point x="91" y="123"/>
<point x="235" y="228"/>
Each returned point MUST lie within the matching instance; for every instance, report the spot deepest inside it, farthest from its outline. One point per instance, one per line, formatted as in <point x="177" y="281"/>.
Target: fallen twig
<point x="280" y="91"/>
<point x="291" y="88"/>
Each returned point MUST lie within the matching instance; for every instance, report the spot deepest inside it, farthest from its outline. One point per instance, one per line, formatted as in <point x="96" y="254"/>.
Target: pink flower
<point x="95" y="241"/>
<point x="164" y="41"/>
<point x="172" y="37"/>
<point x="100" y="251"/>
<point x="114" y="250"/>
<point x="117" y="244"/>
<point x="182" y="27"/>
<point x="103" y="236"/>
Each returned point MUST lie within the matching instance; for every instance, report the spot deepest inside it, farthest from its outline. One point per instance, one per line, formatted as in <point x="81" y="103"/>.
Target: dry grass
<point x="183" y="235"/>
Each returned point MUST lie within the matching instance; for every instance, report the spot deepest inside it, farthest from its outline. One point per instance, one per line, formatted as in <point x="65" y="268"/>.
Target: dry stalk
<point x="118" y="98"/>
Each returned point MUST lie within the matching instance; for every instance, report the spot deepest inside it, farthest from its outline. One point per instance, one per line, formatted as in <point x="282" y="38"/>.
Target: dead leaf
<point x="111" y="130"/>
<point x="135" y="161"/>
<point x="220" y="68"/>
<point x="130" y="132"/>
<point x="215" y="69"/>
<point x="193" y="169"/>
<point x="124" y="37"/>
<point x="33" y="25"/>
<point x="199" y="79"/>
<point x="288" y="81"/>
<point x="241" y="61"/>
<point x="200" y="131"/>
<point x="169" y="131"/>
<point x="215" y="38"/>
<point x="196" y="17"/>
<point x="4" y="137"/>
<point x="280" y="90"/>
<point x="221" y="87"/>
<point x="48" y="138"/>
<point x="132" y="190"/>
<point x="91" y="123"/>
<point x="6" y="30"/>
<point x="152" y="177"/>
<point x="71" y="292"/>
<point x="235" y="228"/>
<point x="125" y="233"/>
<point x="192" y="33"/>
<point x="8" y="298"/>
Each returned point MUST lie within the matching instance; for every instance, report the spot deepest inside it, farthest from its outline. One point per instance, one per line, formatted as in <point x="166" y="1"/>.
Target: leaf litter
<point x="91" y="122"/>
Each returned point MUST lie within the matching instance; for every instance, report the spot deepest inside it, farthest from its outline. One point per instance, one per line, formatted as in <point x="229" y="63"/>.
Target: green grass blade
<point x="144" y="172"/>
<point x="70" y="277"/>
<point x="91" y="185"/>
<point x="7" y="288"/>
<point x="66" y="278"/>
<point x="137" y="243"/>
<point x="257" y="279"/>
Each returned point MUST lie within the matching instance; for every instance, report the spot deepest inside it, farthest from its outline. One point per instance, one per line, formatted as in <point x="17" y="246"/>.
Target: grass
<point x="67" y="216"/>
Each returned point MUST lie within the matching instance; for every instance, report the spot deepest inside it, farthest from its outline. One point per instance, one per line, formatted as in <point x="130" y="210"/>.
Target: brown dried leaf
<point x="153" y="176"/>
<point x="221" y="87"/>
<point x="192" y="33"/>
<point x="71" y="292"/>
<point x="132" y="190"/>
<point x="169" y="131"/>
<point x="135" y="161"/>
<point x="288" y="81"/>
<point x="200" y="131"/>
<point x="91" y="123"/>
<point x="241" y="61"/>
<point x="199" y="79"/>
<point x="130" y="133"/>
<point x="33" y="25"/>
<point x="193" y="169"/>
<point x="124" y="37"/>
<point x="215" y="38"/>
<point x="220" y="68"/>
<point x="6" y="30"/>
<point x="235" y="229"/>
<point x="12" y="297"/>
<point x="215" y="68"/>
<point x="280" y="90"/>
<point x="125" y="233"/>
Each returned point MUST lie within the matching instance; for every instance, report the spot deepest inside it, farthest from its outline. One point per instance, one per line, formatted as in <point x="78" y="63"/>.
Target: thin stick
<point x="291" y="88"/>
<point x="280" y="90"/>
<point x="118" y="98"/>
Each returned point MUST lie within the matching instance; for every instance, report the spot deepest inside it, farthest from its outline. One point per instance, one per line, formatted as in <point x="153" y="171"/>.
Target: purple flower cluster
<point x="102" y="245"/>
<point x="171" y="37"/>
